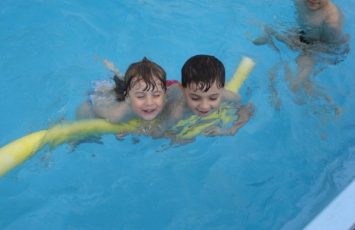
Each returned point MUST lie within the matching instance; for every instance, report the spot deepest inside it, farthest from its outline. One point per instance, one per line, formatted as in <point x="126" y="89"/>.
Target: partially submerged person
<point x="321" y="25"/>
<point x="319" y="21"/>
<point x="202" y="91"/>
<point x="139" y="95"/>
<point x="319" y="38"/>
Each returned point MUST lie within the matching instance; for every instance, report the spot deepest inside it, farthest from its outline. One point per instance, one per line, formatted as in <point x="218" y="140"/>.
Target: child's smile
<point x="203" y="103"/>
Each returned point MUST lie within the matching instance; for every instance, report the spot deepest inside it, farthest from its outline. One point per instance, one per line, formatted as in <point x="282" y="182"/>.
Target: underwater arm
<point x="84" y="111"/>
<point x="333" y="25"/>
<point x="244" y="115"/>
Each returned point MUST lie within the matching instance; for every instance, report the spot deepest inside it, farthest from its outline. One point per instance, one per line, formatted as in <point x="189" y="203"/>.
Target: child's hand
<point x="120" y="136"/>
<point x="244" y="115"/>
<point x="92" y="139"/>
<point x="212" y="131"/>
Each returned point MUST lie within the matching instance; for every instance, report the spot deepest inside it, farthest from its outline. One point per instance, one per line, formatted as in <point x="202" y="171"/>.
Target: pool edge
<point x="339" y="214"/>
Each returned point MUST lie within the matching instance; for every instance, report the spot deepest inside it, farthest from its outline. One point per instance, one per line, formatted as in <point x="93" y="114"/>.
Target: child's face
<point x="316" y="4"/>
<point x="147" y="104"/>
<point x="203" y="103"/>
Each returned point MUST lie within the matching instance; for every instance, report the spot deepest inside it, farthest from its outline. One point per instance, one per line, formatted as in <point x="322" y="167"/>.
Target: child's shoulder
<point x="228" y="95"/>
<point x="333" y="12"/>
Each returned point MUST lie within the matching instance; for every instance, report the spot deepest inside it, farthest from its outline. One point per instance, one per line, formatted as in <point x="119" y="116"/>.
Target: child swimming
<point x="202" y="91"/>
<point x="139" y="95"/>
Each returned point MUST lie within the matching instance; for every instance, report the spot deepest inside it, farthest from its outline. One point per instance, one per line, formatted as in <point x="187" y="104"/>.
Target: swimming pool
<point x="278" y="171"/>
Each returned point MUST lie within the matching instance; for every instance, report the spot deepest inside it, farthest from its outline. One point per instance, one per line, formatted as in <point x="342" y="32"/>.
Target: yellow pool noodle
<point x="242" y="72"/>
<point x="19" y="150"/>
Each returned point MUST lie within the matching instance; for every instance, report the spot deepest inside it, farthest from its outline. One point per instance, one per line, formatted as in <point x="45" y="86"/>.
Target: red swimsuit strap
<point x="172" y="82"/>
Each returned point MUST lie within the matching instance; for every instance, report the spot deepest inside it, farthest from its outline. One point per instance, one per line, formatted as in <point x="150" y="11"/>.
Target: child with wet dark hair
<point x="203" y="70"/>
<point x="202" y="81"/>
<point x="202" y="87"/>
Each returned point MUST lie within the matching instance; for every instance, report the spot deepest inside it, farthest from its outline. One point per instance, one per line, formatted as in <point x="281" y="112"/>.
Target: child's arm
<point x="244" y="114"/>
<point x="84" y="111"/>
<point x="333" y="24"/>
<point x="88" y="111"/>
<point x="114" y="112"/>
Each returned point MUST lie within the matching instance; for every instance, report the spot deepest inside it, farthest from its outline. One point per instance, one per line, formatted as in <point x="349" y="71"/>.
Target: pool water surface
<point x="281" y="169"/>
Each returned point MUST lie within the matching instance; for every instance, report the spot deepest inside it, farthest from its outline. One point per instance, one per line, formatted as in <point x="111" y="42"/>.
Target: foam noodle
<point x="19" y="150"/>
<point x="242" y="72"/>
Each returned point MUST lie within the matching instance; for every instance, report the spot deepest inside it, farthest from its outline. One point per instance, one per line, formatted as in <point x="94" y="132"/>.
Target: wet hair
<point x="144" y="70"/>
<point x="203" y="70"/>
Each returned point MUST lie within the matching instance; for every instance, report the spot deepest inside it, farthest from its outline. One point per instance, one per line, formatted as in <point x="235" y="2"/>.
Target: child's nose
<point x="205" y="104"/>
<point x="149" y="100"/>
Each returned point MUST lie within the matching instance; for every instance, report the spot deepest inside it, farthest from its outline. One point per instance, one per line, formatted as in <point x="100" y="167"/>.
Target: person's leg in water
<point x="274" y="96"/>
<point x="305" y="70"/>
<point x="305" y="63"/>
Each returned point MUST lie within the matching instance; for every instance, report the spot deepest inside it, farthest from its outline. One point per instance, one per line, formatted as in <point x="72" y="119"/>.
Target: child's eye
<point x="157" y="94"/>
<point x="214" y="97"/>
<point x="139" y="96"/>
<point x="194" y="98"/>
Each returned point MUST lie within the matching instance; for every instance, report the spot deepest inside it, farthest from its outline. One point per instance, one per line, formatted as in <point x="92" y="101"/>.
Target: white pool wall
<point x="339" y="214"/>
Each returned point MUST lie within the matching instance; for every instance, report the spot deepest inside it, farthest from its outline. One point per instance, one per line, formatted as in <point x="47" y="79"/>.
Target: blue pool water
<point x="281" y="169"/>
